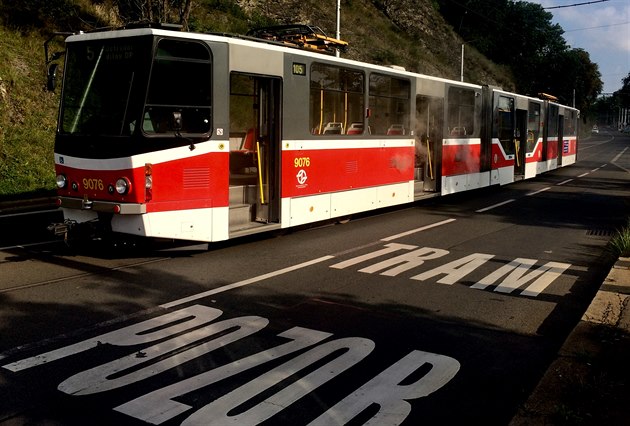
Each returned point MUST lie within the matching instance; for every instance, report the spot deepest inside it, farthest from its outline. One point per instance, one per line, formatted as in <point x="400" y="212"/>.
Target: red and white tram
<point x="206" y="137"/>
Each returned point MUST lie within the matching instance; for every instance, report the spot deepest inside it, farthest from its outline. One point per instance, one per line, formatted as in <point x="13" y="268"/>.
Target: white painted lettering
<point x="405" y="261"/>
<point x="386" y="391"/>
<point x="139" y="366"/>
<point x="216" y="413"/>
<point x="518" y="276"/>
<point x="389" y="248"/>
<point x="552" y="271"/>
<point x="455" y="270"/>
<point x="141" y="333"/>
<point x="159" y="406"/>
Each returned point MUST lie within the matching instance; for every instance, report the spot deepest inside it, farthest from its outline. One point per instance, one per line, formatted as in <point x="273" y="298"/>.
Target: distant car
<point x="595" y="129"/>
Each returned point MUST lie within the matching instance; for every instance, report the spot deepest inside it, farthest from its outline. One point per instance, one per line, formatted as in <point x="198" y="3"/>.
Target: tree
<point x="522" y="36"/>
<point x="172" y="11"/>
<point x="623" y="94"/>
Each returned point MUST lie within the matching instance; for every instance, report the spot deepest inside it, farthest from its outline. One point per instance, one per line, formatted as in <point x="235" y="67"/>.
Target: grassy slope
<point x="27" y="116"/>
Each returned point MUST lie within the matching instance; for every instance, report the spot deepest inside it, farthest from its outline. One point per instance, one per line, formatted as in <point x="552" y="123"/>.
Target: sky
<point x="602" y="28"/>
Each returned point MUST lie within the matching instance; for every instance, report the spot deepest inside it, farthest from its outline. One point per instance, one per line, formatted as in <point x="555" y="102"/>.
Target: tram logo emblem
<point x="301" y="178"/>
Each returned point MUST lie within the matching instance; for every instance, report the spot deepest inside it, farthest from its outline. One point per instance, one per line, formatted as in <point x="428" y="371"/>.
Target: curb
<point x="587" y="383"/>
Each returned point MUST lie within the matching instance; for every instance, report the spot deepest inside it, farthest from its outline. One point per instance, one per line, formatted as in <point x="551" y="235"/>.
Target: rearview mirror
<point x="51" y="83"/>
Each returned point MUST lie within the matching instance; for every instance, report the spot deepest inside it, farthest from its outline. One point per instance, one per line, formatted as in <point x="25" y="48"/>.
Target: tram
<point x="207" y="137"/>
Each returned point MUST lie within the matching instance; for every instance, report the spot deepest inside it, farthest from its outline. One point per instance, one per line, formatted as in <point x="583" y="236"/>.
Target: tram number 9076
<point x="302" y="162"/>
<point x="93" y="184"/>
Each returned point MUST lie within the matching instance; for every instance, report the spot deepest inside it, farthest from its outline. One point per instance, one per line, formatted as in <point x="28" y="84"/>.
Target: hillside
<point x="409" y="33"/>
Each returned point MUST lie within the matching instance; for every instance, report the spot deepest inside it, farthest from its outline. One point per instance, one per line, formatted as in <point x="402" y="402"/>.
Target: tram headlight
<point x="62" y="181"/>
<point x="123" y="186"/>
<point x="148" y="182"/>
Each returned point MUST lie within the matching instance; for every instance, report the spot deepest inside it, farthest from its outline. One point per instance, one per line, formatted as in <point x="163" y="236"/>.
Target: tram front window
<point x="104" y="84"/>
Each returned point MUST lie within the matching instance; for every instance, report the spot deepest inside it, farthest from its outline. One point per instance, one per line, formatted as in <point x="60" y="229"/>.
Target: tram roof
<point x="257" y="43"/>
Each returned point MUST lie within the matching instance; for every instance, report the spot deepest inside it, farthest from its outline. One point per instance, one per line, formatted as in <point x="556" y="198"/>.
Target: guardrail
<point x="26" y="205"/>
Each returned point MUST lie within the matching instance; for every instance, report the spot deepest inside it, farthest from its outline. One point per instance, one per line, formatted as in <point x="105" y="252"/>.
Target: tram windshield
<point x="104" y="87"/>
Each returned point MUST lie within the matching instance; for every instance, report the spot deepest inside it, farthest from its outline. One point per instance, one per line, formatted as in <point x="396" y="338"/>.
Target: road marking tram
<point x="206" y="137"/>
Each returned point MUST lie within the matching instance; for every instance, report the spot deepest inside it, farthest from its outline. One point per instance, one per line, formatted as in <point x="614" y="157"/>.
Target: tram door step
<point x="240" y="215"/>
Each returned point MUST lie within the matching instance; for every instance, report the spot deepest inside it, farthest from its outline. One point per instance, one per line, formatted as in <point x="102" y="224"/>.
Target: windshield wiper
<point x="87" y="90"/>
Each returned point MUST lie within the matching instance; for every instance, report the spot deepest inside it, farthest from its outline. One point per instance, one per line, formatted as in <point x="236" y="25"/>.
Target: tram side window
<point x="180" y="86"/>
<point x="504" y="116"/>
<point x="389" y="105"/>
<point x="336" y="100"/>
<point x="533" y="126"/>
<point x="461" y="112"/>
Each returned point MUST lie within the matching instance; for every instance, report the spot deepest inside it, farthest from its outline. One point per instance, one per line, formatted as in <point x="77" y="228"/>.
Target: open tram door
<point x="255" y="123"/>
<point x="429" y="135"/>
<point x="268" y="149"/>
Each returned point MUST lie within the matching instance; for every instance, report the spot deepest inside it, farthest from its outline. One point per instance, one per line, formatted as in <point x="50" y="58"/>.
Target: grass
<point x="27" y="116"/>
<point x="619" y="244"/>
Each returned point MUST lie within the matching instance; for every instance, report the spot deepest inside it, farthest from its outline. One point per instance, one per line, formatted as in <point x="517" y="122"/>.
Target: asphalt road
<point x="446" y="312"/>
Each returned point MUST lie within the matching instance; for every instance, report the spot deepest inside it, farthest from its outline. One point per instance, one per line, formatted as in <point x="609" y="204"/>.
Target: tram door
<point x="255" y="115"/>
<point x="429" y="135"/>
<point x="268" y="138"/>
<point x="520" y="143"/>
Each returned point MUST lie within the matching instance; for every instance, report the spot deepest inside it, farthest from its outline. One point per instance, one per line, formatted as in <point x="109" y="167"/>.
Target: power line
<point x="601" y="26"/>
<point x="575" y="4"/>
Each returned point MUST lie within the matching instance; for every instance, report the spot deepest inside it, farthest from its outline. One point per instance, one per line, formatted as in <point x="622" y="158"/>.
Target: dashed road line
<point x="485" y="209"/>
<point x="245" y="282"/>
<point x="547" y="188"/>
<point x="413" y="231"/>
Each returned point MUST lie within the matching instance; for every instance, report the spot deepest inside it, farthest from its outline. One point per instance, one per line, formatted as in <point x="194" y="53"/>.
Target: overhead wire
<point x="600" y="26"/>
<point x="575" y="4"/>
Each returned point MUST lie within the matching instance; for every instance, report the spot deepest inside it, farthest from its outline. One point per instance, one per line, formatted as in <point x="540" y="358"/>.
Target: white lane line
<point x="485" y="209"/>
<point x="538" y="192"/>
<point x="413" y="231"/>
<point x="614" y="161"/>
<point x="564" y="182"/>
<point x="583" y="174"/>
<point x="245" y="282"/>
<point x="619" y="155"/>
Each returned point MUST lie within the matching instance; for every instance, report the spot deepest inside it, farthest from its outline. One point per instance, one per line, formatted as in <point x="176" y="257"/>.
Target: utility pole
<point x="461" y="73"/>
<point x="338" y="35"/>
